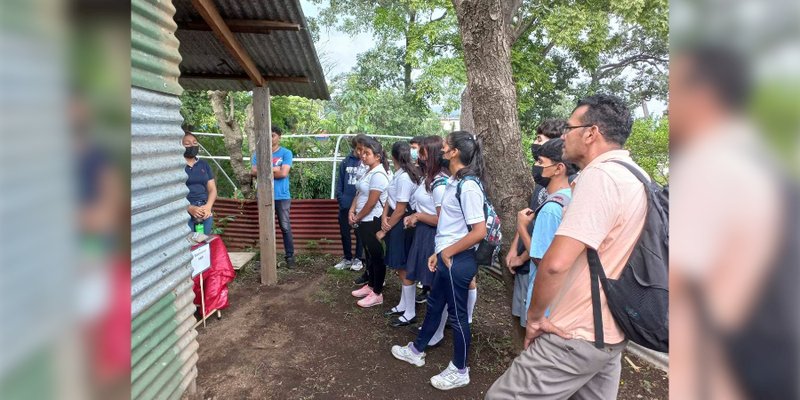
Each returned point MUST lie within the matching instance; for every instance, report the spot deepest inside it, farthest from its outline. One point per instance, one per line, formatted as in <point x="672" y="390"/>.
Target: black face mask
<point x="191" y="152"/>
<point x="535" y="149"/>
<point x="445" y="163"/>
<point x="421" y="164"/>
<point x="538" y="178"/>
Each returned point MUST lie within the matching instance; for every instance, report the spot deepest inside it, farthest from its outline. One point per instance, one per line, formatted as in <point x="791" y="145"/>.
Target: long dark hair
<point x="377" y="149"/>
<point x="469" y="153"/>
<point x="401" y="152"/>
<point x="432" y="147"/>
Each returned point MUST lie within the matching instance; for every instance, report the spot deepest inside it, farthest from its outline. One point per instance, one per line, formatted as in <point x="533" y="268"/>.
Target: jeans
<point x="347" y="244"/>
<point x="282" y="210"/>
<point x="376" y="268"/>
<point x="450" y="288"/>
<point x="208" y="224"/>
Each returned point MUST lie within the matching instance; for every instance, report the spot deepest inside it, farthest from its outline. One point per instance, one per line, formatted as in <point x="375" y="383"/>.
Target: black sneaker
<point x="421" y="298"/>
<point x="290" y="264"/>
<point x="361" y="280"/>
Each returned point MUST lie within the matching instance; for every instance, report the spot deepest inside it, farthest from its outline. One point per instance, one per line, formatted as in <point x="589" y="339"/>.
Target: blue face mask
<point x="414" y="155"/>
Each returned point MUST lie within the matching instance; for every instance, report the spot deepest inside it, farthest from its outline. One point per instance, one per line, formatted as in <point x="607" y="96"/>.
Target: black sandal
<point x="402" y="321"/>
<point x="393" y="311"/>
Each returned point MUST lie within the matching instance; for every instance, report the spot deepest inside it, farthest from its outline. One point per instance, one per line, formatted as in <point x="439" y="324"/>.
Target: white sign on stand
<point x="201" y="259"/>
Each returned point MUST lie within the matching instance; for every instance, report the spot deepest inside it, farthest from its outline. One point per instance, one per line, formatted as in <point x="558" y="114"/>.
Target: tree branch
<point x="604" y="70"/>
<point x="548" y="48"/>
<point x="522" y="27"/>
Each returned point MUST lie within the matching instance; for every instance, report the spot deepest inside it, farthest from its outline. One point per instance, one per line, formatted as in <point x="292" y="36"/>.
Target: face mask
<point x="538" y="178"/>
<point x="535" y="149"/>
<point x="421" y="164"/>
<point x="414" y="155"/>
<point x="445" y="163"/>
<point x="191" y="152"/>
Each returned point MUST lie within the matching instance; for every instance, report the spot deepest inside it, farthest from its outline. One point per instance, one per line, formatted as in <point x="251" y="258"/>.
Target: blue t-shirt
<point x="280" y="157"/>
<point x="544" y="231"/>
<point x="197" y="179"/>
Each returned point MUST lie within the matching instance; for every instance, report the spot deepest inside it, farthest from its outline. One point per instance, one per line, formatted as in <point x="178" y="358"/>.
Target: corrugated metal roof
<point x="154" y="48"/>
<point x="163" y="340"/>
<point x="279" y="53"/>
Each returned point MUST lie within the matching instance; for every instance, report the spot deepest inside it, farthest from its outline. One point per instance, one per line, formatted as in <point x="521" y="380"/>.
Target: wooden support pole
<point x="266" y="202"/>
<point x="208" y="11"/>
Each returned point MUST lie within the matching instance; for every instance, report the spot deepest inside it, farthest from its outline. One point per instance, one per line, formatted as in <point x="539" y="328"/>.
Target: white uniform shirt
<point x="401" y="188"/>
<point x="425" y="202"/>
<point x="375" y="179"/>
<point x="452" y="220"/>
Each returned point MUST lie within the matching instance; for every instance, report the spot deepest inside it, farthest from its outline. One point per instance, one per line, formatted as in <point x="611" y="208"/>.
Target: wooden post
<point x="266" y="202"/>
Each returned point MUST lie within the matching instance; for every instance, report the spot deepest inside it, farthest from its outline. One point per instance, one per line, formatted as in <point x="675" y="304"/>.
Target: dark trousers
<point x="282" y="210"/>
<point x="450" y="288"/>
<point x="347" y="244"/>
<point x="376" y="268"/>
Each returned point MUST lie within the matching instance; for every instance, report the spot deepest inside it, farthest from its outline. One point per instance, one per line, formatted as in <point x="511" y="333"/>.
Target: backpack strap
<point x="633" y="170"/>
<point x="597" y="276"/>
<point x="442" y="180"/>
<point x="558" y="198"/>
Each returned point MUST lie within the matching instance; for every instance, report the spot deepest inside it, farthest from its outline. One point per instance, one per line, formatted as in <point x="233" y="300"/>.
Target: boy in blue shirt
<point x="281" y="164"/>
<point x="555" y="173"/>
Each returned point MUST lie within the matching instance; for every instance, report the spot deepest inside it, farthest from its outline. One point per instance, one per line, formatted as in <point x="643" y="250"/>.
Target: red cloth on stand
<point x="216" y="277"/>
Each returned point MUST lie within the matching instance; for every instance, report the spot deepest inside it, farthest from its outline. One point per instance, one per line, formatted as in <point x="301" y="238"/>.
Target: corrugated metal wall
<point x="315" y="223"/>
<point x="163" y="340"/>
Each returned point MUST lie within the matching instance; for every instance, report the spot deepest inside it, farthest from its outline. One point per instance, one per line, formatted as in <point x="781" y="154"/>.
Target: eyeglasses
<point x="569" y="128"/>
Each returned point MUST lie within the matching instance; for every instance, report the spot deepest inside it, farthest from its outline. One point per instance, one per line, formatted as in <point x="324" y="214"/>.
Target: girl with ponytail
<point x="461" y="227"/>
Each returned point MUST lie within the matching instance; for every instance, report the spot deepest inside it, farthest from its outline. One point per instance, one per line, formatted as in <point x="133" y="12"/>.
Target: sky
<point x="340" y="50"/>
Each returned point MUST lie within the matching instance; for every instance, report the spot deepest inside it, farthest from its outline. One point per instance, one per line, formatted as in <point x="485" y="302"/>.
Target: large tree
<point x="489" y="29"/>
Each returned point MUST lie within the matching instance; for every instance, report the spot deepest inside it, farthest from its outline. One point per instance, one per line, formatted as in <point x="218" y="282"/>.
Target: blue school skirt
<point x="422" y="248"/>
<point x="398" y="243"/>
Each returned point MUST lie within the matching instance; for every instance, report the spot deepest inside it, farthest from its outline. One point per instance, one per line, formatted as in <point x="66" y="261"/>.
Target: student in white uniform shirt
<point x="366" y="214"/>
<point x="398" y="237"/>
<point x="428" y="199"/>
<point x="461" y="227"/>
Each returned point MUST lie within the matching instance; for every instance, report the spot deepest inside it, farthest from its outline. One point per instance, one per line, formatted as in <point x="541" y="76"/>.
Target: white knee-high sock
<point x="402" y="305"/>
<point x="409" y="295"/>
<point x="472" y="298"/>
<point x="439" y="335"/>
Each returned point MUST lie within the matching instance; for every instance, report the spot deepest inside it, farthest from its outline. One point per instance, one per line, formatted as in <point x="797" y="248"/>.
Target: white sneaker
<point x="356" y="265"/>
<point x="450" y="378"/>
<point x="344" y="264"/>
<point x="405" y="353"/>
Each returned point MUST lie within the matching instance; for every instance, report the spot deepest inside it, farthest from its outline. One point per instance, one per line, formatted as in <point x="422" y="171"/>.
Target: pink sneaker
<point x="363" y="292"/>
<point x="371" y="300"/>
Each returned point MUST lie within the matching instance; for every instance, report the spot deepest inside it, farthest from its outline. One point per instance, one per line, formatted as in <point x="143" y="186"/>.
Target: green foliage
<point x="649" y="147"/>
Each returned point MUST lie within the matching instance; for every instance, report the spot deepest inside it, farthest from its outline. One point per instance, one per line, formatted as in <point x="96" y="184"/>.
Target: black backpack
<point x="639" y="299"/>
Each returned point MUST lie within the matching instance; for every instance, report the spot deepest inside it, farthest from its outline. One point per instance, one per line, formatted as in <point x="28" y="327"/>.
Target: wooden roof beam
<point x="208" y="11"/>
<point x="267" y="78"/>
<point x="243" y="26"/>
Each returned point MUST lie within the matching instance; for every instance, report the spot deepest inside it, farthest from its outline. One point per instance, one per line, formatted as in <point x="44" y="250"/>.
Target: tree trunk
<point x="486" y="35"/>
<point x="466" y="122"/>
<point x="232" y="136"/>
<point x="250" y="129"/>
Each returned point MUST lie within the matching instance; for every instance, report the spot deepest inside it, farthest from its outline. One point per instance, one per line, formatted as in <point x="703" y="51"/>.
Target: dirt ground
<point x="307" y="339"/>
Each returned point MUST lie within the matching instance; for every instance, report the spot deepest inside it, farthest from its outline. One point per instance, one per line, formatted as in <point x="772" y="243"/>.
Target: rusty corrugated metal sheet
<point x="154" y="47"/>
<point x="163" y="340"/>
<point x="315" y="223"/>
<point x="280" y="53"/>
